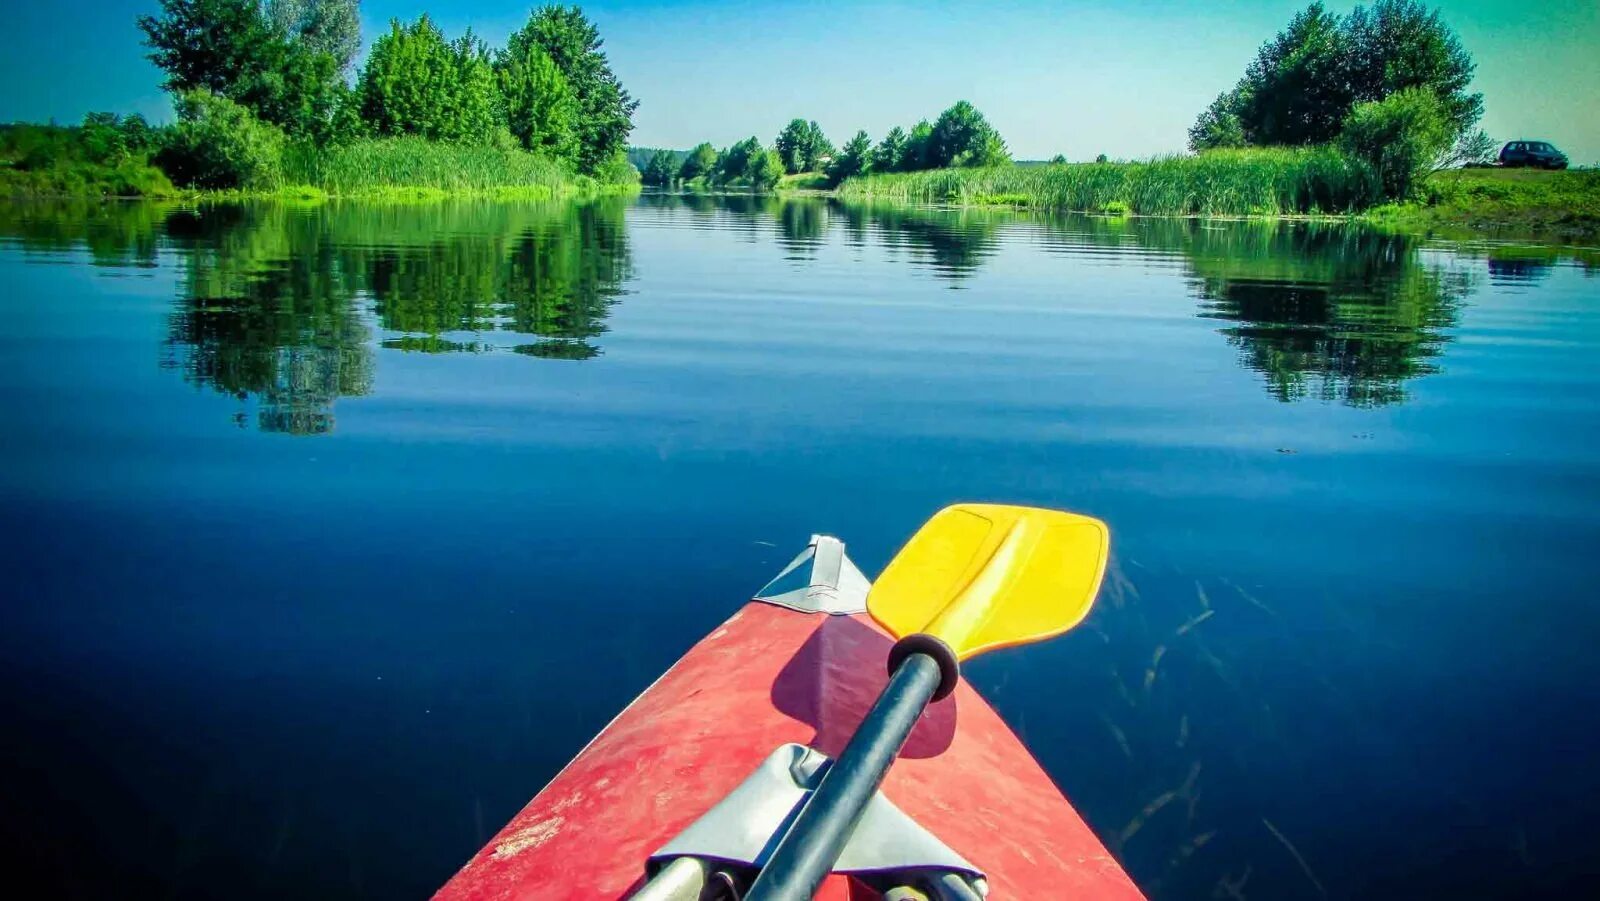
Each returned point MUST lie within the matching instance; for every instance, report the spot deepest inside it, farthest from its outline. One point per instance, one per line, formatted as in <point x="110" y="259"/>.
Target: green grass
<point x="1267" y="181"/>
<point x="387" y="169"/>
<point x="804" y="181"/>
<point x="132" y="178"/>
<point x="1564" y="205"/>
<point x="411" y="169"/>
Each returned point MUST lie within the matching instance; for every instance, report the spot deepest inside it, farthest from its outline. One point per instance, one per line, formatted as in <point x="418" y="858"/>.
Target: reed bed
<point x="389" y="165"/>
<point x="1257" y="182"/>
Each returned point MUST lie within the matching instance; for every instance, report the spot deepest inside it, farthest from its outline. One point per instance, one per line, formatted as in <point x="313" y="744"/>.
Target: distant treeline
<point x="640" y="157"/>
<point x="1334" y="114"/>
<point x="266" y="92"/>
<point x="253" y="81"/>
<point x="960" y="137"/>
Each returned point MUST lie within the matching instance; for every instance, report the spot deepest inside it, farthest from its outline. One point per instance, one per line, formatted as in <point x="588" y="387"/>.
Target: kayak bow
<point x="703" y="771"/>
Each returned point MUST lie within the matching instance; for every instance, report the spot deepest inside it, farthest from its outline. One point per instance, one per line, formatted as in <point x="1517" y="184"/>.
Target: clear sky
<point x="1121" y="78"/>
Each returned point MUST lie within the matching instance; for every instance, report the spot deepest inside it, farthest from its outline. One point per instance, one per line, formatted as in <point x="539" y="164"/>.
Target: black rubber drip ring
<point x="921" y="643"/>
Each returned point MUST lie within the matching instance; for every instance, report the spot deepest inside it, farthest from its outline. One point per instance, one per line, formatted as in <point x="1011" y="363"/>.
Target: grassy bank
<point x="803" y="181"/>
<point x="1260" y="182"/>
<point x="375" y="169"/>
<point x="132" y="178"/>
<point x="1560" y="205"/>
<point x="413" y="167"/>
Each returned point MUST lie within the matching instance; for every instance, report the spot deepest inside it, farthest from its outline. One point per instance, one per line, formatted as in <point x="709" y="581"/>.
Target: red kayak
<point x="676" y="777"/>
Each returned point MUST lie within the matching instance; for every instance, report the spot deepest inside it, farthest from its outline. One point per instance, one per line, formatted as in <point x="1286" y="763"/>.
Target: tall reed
<point x="1265" y="181"/>
<point x="380" y="164"/>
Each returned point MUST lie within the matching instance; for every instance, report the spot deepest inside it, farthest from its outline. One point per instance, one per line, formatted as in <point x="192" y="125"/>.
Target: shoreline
<point x="1451" y="217"/>
<point x="1509" y="204"/>
<point x="311" y="194"/>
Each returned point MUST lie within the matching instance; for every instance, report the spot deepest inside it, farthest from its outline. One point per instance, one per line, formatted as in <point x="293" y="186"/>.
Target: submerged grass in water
<point x="1271" y="181"/>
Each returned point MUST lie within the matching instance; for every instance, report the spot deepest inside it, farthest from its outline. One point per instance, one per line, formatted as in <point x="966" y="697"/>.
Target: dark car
<point x="1532" y="153"/>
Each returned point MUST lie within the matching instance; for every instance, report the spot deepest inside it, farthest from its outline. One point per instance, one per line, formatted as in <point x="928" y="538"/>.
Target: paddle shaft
<point x="806" y="853"/>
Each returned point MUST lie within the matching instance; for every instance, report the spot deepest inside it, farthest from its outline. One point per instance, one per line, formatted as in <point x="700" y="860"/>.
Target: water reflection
<point x="1325" y="311"/>
<point x="116" y="235"/>
<point x="953" y="244"/>
<point x="265" y="315"/>
<point x="1517" y="266"/>
<point x="284" y="307"/>
<point x="278" y="305"/>
<point x="1322" y="311"/>
<point x="1196" y="699"/>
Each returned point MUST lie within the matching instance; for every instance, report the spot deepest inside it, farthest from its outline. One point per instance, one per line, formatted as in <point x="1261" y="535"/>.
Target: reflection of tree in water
<point x="802" y="224"/>
<point x="265" y="315"/>
<point x="269" y="304"/>
<point x="564" y="275"/>
<point x="1333" y="312"/>
<point x="115" y="234"/>
<point x="552" y="271"/>
<point x="1329" y="312"/>
<point x="951" y="243"/>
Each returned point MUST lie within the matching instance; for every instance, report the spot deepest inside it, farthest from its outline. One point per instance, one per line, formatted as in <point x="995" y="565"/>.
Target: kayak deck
<point x="766" y="676"/>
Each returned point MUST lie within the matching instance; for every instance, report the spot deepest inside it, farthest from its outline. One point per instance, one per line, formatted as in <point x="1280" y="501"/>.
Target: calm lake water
<point x="332" y="533"/>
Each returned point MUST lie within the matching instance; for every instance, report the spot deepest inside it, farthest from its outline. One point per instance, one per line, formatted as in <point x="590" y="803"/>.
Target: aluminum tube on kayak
<point x="806" y="853"/>
<point x="682" y="880"/>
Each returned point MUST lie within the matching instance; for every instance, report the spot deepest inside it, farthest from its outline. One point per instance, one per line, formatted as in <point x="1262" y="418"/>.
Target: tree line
<point x="246" y="77"/>
<point x="959" y="137"/>
<point x="1388" y="83"/>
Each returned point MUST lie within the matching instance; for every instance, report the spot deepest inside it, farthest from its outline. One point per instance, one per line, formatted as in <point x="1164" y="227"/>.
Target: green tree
<point x="1303" y="83"/>
<point x="662" y="168"/>
<point x="1400" y="44"/>
<point x="735" y="162"/>
<point x="1400" y="136"/>
<point x="701" y="162"/>
<point x="765" y="169"/>
<point x="210" y="44"/>
<point x="991" y="152"/>
<point x="105" y="139"/>
<point x="1298" y="89"/>
<point x="605" y="110"/>
<point x="1219" y="125"/>
<point x="324" y="26"/>
<point x="541" y="109"/>
<point x="617" y="170"/>
<point x="961" y="136"/>
<point x="919" y="148"/>
<point x="299" y="90"/>
<point x="855" y="158"/>
<point x="416" y="82"/>
<point x="218" y="144"/>
<point x="228" y="48"/>
<point x="890" y="153"/>
<point x="791" y="144"/>
<point x="816" y="148"/>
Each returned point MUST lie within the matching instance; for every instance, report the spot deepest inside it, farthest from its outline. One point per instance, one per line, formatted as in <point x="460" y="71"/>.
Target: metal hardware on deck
<point x="887" y="848"/>
<point x="684" y="879"/>
<point x="806" y="853"/>
<point x="951" y="887"/>
<point x="833" y="585"/>
<point x="940" y="887"/>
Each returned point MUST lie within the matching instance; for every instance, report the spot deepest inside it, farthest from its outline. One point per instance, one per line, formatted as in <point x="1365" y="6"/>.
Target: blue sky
<point x="1079" y="78"/>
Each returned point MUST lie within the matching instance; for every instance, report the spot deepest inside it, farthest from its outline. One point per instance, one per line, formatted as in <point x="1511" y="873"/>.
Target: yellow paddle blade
<point x="986" y="576"/>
